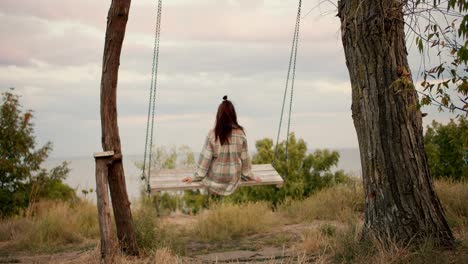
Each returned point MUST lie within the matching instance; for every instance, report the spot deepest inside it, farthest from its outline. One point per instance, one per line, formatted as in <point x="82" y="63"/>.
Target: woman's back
<point x="224" y="164"/>
<point x="224" y="160"/>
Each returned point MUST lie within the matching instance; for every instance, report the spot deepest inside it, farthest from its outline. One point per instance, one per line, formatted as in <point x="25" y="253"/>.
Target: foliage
<point x="303" y="173"/>
<point x="194" y="201"/>
<point x="166" y="202"/>
<point x="172" y="157"/>
<point x="447" y="149"/>
<point x="441" y="28"/>
<point x="22" y="180"/>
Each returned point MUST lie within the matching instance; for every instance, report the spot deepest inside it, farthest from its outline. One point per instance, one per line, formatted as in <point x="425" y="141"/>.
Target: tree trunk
<point x="400" y="203"/>
<point x="115" y="33"/>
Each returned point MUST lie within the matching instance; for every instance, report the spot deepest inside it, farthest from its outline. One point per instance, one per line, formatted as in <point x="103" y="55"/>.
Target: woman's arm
<point x="204" y="161"/>
<point x="247" y="163"/>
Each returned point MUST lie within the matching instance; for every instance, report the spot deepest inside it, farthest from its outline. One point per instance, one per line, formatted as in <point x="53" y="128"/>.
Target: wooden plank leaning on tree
<point x="103" y="160"/>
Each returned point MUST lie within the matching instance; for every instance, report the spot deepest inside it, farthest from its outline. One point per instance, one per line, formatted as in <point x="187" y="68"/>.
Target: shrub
<point x="447" y="149"/>
<point x="22" y="179"/>
<point x="304" y="173"/>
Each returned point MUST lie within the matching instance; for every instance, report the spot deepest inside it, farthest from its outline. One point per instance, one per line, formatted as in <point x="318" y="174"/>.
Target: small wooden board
<point x="171" y="180"/>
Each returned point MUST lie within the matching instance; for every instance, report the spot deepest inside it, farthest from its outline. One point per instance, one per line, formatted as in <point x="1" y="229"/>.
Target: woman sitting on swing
<point x="224" y="160"/>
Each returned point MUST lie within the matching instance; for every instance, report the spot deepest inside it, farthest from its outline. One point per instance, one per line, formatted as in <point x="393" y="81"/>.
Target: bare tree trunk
<point x="115" y="33"/>
<point x="401" y="205"/>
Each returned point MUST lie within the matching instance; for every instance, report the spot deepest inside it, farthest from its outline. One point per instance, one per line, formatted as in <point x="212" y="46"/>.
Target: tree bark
<point x="400" y="203"/>
<point x="115" y="33"/>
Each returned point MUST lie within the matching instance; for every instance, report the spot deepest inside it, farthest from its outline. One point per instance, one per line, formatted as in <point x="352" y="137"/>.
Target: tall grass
<point x="151" y="233"/>
<point x="344" y="245"/>
<point x="341" y="203"/>
<point x="347" y="246"/>
<point x="228" y="221"/>
<point x="51" y="226"/>
<point x="454" y="198"/>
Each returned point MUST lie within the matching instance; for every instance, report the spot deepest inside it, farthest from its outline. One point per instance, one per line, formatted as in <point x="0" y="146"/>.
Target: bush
<point x="303" y="173"/>
<point x="447" y="149"/>
<point x="22" y="180"/>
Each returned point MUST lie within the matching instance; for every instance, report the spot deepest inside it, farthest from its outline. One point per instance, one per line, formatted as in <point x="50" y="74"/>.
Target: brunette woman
<point x="224" y="160"/>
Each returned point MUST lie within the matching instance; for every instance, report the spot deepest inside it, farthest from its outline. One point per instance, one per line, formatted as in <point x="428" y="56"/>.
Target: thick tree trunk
<point x="115" y="33"/>
<point x="401" y="205"/>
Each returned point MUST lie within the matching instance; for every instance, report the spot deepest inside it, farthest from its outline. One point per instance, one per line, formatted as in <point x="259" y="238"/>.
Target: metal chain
<point x="293" y="79"/>
<point x="152" y="99"/>
<point x="285" y="92"/>
<point x="292" y="62"/>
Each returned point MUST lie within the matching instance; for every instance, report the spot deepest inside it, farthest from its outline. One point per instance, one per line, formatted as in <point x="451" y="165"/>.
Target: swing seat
<point x="171" y="180"/>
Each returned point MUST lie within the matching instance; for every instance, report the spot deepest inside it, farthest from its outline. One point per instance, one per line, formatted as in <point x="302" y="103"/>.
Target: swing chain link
<point x="152" y="101"/>
<point x="153" y="86"/>
<point x="292" y="63"/>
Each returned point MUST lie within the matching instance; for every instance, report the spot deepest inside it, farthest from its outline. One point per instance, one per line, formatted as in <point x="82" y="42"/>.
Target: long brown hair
<point x="226" y="121"/>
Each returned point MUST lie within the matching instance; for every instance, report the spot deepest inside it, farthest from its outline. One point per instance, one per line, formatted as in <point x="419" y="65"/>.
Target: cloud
<point x="52" y="54"/>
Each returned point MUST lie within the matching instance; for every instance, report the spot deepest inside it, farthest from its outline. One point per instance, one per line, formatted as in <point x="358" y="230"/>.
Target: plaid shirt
<point x="221" y="167"/>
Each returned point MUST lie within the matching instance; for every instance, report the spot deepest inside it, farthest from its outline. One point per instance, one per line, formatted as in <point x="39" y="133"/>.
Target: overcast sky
<point x="51" y="52"/>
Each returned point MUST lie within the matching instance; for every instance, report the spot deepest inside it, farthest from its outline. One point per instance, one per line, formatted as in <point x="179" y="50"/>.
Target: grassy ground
<point x="324" y="228"/>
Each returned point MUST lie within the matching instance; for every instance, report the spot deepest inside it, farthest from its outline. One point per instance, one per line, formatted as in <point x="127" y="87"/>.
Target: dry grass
<point x="341" y="203"/>
<point x="51" y="226"/>
<point x="13" y="228"/>
<point x="55" y="225"/>
<point x="344" y="245"/>
<point x="454" y="197"/>
<point x="151" y="234"/>
<point x="313" y="240"/>
<point x="348" y="247"/>
<point x="227" y="221"/>
<point x="163" y="256"/>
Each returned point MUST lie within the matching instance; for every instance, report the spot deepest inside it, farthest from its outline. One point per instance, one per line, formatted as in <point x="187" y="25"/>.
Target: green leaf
<point x="420" y="46"/>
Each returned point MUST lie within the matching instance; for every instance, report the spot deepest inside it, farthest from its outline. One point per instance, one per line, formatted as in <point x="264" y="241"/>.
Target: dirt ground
<point x="276" y="246"/>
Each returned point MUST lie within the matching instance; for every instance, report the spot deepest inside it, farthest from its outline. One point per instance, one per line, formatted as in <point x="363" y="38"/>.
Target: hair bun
<point x="225" y="98"/>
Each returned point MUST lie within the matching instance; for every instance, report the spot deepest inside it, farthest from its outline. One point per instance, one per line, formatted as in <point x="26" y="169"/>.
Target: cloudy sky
<point x="51" y="52"/>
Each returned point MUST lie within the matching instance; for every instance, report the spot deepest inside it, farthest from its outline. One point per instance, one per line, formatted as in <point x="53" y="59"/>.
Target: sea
<point x="82" y="171"/>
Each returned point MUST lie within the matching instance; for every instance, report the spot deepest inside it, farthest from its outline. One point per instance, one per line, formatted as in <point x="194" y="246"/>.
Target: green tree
<point x="22" y="180"/>
<point x="303" y="172"/>
<point x="440" y="29"/>
<point x="447" y="149"/>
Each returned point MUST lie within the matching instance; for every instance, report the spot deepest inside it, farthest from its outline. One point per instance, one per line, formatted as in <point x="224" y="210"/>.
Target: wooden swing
<point x="171" y="179"/>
